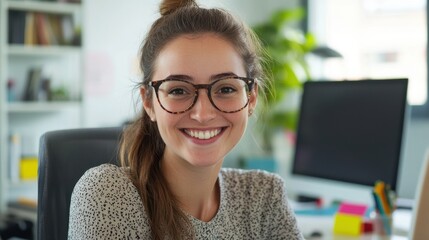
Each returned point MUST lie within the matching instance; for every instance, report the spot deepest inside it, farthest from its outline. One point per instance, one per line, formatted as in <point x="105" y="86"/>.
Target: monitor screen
<point x="351" y="131"/>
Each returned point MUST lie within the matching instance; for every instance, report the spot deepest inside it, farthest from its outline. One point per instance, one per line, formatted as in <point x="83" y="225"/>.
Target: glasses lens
<point x="176" y="96"/>
<point x="230" y="94"/>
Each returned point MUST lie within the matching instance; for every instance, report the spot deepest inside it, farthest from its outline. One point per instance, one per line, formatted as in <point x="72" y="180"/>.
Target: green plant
<point x="60" y="94"/>
<point x="286" y="47"/>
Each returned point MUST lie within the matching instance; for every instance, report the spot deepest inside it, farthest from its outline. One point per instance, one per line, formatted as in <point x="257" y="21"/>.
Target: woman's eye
<point x="177" y="91"/>
<point x="227" y="90"/>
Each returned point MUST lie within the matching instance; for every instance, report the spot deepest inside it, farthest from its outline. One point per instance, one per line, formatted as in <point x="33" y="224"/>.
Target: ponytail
<point x="141" y="152"/>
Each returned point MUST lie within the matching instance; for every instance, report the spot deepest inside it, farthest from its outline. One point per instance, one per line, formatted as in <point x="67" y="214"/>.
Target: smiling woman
<point x="202" y="74"/>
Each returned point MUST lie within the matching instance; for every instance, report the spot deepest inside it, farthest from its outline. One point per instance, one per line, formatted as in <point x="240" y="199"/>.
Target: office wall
<point x="112" y="35"/>
<point x="113" y="32"/>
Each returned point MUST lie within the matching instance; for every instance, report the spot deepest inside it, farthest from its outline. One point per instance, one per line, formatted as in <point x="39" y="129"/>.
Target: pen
<point x="378" y="207"/>
<point x="383" y="204"/>
<point x="383" y="217"/>
<point x="379" y="188"/>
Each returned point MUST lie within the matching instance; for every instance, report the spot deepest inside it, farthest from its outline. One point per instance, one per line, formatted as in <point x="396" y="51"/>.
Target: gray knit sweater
<point x="106" y="205"/>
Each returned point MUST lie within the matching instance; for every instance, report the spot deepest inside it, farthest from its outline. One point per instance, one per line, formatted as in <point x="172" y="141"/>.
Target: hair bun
<point x="169" y="6"/>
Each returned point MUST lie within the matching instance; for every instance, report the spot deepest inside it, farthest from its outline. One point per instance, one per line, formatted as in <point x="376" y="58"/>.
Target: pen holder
<point x="382" y="224"/>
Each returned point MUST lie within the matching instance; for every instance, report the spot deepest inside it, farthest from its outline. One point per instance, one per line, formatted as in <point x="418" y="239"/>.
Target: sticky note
<point x="352" y="208"/>
<point x="28" y="168"/>
<point x="347" y="224"/>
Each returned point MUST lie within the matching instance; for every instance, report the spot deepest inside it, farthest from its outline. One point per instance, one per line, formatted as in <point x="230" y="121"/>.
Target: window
<point x="377" y="39"/>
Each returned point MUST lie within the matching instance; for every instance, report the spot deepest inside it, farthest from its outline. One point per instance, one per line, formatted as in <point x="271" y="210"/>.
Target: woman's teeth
<point x="203" y="134"/>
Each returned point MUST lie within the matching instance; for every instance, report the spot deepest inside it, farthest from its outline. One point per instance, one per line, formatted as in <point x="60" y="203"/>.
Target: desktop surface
<point x="319" y="226"/>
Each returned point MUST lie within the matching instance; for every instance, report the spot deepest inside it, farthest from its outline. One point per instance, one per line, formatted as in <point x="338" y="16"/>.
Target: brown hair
<point x="142" y="146"/>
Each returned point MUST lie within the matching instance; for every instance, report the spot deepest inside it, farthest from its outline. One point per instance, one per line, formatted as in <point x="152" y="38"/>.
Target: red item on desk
<point x="367" y="226"/>
<point x="319" y="203"/>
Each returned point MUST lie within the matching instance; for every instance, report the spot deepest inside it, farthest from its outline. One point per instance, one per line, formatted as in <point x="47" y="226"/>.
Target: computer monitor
<point x="349" y="136"/>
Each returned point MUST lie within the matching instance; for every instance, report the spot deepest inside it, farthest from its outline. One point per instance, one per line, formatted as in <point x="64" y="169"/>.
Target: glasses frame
<point x="249" y="82"/>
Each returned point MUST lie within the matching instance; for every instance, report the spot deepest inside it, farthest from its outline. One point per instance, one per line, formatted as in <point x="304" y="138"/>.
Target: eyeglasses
<point x="228" y="95"/>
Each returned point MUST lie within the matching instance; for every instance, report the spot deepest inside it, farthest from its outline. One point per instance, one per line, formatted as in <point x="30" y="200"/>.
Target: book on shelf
<point x="45" y="93"/>
<point x="41" y="29"/>
<point x="30" y="33"/>
<point x="50" y="31"/>
<point x="55" y="28"/>
<point x="47" y="28"/>
<point x="38" y="28"/>
<point x="33" y="84"/>
<point x="16" y="26"/>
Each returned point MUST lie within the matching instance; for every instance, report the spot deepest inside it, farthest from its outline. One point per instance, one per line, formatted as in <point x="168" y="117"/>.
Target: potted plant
<point x="286" y="47"/>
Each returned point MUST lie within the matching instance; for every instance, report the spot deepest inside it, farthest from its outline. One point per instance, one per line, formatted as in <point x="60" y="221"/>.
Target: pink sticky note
<point x="352" y="208"/>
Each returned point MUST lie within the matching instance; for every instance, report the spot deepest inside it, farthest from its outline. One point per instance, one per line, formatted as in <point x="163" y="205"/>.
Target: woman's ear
<point x="253" y="99"/>
<point x="147" y="103"/>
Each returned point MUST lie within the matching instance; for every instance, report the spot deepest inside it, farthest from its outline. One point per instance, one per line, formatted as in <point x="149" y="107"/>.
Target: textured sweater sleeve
<point x="283" y="222"/>
<point x="256" y="207"/>
<point x="106" y="205"/>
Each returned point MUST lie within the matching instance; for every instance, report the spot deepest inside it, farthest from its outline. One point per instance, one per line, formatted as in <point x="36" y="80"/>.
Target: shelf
<point x="26" y="214"/>
<point x="22" y="184"/>
<point x="38" y="107"/>
<point x="23" y="50"/>
<point x="47" y="7"/>
<point x="25" y="209"/>
<point x="62" y="63"/>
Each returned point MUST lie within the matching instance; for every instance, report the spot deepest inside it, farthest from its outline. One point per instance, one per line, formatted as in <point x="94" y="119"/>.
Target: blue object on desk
<point x="324" y="211"/>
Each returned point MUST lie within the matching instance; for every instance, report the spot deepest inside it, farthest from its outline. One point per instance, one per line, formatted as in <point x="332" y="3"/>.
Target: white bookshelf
<point x="41" y="107"/>
<point x="62" y="64"/>
<point x="38" y="6"/>
<point x="19" y="50"/>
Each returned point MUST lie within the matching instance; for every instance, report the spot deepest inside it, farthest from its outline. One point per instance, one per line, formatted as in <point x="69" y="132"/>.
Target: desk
<point x="324" y="224"/>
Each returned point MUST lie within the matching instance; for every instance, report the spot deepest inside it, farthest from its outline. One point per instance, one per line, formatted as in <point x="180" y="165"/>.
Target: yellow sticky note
<point x="347" y="224"/>
<point x="28" y="168"/>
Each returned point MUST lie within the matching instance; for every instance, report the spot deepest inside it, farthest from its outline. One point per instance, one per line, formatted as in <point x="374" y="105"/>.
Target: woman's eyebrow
<point x="179" y="76"/>
<point x="221" y="75"/>
<point x="212" y="78"/>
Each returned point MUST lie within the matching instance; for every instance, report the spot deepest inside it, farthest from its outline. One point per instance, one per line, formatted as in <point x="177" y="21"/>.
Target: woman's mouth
<point x="203" y="134"/>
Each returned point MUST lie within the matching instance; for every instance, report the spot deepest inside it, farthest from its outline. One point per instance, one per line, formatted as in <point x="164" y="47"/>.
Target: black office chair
<point x="64" y="157"/>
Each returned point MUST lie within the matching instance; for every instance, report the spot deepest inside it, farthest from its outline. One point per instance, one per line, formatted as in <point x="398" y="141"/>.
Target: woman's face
<point x="202" y="136"/>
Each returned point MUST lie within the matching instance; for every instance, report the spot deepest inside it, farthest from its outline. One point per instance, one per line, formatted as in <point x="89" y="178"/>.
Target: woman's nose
<point x="203" y="110"/>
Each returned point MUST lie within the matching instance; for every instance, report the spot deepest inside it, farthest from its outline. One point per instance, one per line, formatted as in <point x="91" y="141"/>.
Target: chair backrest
<point x="64" y="157"/>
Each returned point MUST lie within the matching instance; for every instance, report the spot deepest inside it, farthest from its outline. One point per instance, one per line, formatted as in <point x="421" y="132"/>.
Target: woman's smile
<point x="203" y="134"/>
